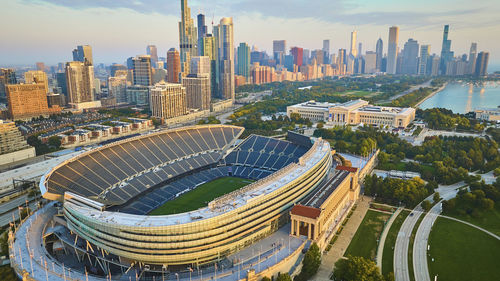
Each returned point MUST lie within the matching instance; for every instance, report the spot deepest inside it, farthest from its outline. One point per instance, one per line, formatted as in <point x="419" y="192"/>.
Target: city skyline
<point x="124" y="42"/>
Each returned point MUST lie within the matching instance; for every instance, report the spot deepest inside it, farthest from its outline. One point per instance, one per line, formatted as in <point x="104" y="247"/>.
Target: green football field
<point x="200" y="196"/>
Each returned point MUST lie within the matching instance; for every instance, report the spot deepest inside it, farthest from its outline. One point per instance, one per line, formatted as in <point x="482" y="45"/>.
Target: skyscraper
<point x="410" y="57"/>
<point x="80" y="81"/>
<point x="482" y="64"/>
<point x="326" y="50"/>
<point x="353" y="51"/>
<point x="173" y="66"/>
<point x="202" y="32"/>
<point x="379" y="50"/>
<point x="167" y="100"/>
<point x="341" y="61"/>
<point x="117" y="88"/>
<point x="197" y="91"/>
<point x="425" y="52"/>
<point x="83" y="53"/>
<point x="225" y="58"/>
<point x="200" y="65"/>
<point x="392" y="52"/>
<point x="153" y="52"/>
<point x="472" y="58"/>
<point x="142" y="70"/>
<point x="244" y="60"/>
<point x="297" y="54"/>
<point x="38" y="77"/>
<point x="187" y="36"/>
<point x="279" y="50"/>
<point x="370" y="62"/>
<point x="446" y="53"/>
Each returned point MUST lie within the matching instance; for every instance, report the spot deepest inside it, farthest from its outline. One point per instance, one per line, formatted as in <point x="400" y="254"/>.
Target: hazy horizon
<point x="48" y="30"/>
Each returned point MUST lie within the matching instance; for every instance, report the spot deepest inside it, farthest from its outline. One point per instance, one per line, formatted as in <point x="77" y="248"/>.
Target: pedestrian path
<point x="380" y="249"/>
<point x="339" y="247"/>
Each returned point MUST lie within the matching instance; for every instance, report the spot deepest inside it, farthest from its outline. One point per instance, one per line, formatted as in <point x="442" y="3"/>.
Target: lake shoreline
<point x="431" y="95"/>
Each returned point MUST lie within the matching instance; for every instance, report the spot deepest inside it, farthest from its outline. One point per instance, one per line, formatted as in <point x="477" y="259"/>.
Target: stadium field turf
<point x="201" y="196"/>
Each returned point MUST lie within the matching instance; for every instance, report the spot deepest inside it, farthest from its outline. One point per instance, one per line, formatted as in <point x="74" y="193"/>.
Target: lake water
<point x="463" y="98"/>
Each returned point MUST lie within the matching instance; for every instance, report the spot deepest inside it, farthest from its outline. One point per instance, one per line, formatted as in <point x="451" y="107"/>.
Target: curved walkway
<point x="380" y="248"/>
<point x="473" y="225"/>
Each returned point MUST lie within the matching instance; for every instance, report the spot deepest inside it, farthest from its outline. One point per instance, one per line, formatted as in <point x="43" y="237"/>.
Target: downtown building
<point x="28" y="100"/>
<point x="167" y="100"/>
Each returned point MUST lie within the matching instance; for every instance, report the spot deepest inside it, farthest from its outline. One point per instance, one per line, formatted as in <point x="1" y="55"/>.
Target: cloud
<point x="168" y="7"/>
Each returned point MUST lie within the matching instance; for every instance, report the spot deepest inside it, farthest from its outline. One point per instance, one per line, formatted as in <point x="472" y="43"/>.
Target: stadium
<point x="185" y="197"/>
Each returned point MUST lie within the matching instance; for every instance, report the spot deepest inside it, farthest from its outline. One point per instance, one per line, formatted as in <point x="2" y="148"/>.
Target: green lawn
<point x="364" y="243"/>
<point x="390" y="242"/>
<point x="462" y="252"/>
<point x="200" y="196"/>
<point x="489" y="220"/>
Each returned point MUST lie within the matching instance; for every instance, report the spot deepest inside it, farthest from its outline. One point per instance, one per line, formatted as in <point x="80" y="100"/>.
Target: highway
<point x="401" y="271"/>
<point x="422" y="236"/>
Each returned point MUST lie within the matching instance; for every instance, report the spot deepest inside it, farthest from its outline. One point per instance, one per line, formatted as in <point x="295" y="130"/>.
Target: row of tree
<point x="445" y="119"/>
<point x="475" y="202"/>
<point x="398" y="191"/>
<point x="443" y="159"/>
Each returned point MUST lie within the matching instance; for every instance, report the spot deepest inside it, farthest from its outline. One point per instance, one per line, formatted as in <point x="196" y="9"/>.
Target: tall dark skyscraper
<point x="380" y="53"/>
<point x="202" y="32"/>
<point x="326" y="51"/>
<point x="446" y="53"/>
<point x="279" y="49"/>
<point x="187" y="37"/>
<point x="482" y="64"/>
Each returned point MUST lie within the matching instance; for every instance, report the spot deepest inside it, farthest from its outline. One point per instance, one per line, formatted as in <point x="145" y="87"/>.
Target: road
<point x="414" y="88"/>
<point x="420" y="265"/>
<point x="401" y="271"/>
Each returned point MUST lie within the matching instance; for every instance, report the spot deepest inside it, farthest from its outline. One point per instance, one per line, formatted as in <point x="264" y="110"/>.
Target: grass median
<point x="390" y="242"/>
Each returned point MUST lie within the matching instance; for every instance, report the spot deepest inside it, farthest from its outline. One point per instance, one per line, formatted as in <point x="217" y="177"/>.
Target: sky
<point x="48" y="30"/>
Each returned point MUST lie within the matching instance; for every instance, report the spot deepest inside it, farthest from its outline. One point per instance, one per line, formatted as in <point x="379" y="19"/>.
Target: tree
<point x="311" y="263"/>
<point x="320" y="125"/>
<point x="265" y="279"/>
<point x="55" y="142"/>
<point x="357" y="268"/>
<point x="284" y="277"/>
<point x="437" y="197"/>
<point x="426" y="205"/>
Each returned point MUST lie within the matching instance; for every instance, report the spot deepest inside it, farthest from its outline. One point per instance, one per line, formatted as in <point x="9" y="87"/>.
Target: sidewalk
<point x="380" y="249"/>
<point x="337" y="251"/>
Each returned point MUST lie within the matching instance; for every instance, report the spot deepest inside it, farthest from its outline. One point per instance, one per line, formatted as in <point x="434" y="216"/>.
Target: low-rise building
<point x="353" y="113"/>
<point x="13" y="146"/>
<point x="488" y="114"/>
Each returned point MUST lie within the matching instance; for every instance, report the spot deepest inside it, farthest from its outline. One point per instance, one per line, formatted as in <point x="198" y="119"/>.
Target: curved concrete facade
<point x="228" y="224"/>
